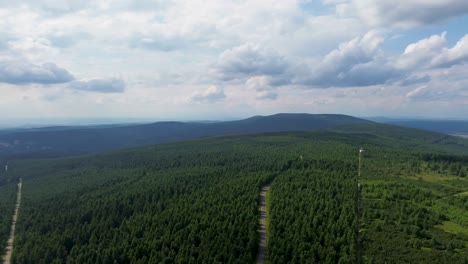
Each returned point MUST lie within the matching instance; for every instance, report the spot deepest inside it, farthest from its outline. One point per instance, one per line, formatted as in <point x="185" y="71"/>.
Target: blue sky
<point x="220" y="59"/>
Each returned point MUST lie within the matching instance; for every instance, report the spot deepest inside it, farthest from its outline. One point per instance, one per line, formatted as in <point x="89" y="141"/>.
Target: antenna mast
<point x="358" y="209"/>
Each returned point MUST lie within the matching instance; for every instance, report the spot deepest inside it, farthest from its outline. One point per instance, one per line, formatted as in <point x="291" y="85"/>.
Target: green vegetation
<point x="454" y="228"/>
<point x="415" y="215"/>
<point x="268" y="214"/>
<point x="313" y="215"/>
<point x="7" y="205"/>
<point x="197" y="201"/>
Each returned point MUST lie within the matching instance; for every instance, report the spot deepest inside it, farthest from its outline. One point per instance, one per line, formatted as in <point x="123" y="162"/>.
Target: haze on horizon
<point x="218" y="60"/>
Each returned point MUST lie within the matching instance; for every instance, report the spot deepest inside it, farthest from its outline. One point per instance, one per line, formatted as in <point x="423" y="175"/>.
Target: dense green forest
<point x="312" y="215"/>
<point x="7" y="203"/>
<point x="197" y="201"/>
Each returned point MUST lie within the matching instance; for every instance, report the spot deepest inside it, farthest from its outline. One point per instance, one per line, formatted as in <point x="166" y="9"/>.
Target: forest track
<point x="262" y="247"/>
<point x="9" y="248"/>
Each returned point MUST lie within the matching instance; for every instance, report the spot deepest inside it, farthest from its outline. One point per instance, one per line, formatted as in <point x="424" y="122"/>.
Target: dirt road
<point x="9" y="248"/>
<point x="262" y="250"/>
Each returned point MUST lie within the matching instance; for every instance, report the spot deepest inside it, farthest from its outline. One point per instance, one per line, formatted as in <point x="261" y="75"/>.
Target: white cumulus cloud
<point x="433" y="52"/>
<point x="250" y="60"/>
<point x="358" y="62"/>
<point x="211" y="95"/>
<point x="263" y="88"/>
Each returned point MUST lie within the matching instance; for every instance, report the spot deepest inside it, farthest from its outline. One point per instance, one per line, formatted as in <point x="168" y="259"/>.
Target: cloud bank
<point x="18" y="72"/>
<point x="261" y="56"/>
<point x="409" y="13"/>
<point x="100" y="85"/>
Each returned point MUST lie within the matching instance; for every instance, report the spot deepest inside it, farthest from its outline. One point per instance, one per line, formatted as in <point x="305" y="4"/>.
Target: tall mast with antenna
<point x="358" y="209"/>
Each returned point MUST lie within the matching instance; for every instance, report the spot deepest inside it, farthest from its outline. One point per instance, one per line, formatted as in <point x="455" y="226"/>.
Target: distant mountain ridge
<point x="445" y="126"/>
<point x="441" y="126"/>
<point x="73" y="140"/>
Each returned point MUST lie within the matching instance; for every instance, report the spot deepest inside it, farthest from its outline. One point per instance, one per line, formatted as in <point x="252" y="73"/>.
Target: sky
<point x="221" y="59"/>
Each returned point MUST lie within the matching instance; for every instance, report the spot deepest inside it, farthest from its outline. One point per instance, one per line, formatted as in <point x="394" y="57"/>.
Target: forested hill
<point x="197" y="201"/>
<point x="59" y="142"/>
<point x="404" y="137"/>
<point x="441" y="126"/>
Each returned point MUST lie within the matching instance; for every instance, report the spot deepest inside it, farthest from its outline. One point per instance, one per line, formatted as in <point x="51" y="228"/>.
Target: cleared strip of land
<point x="9" y="248"/>
<point x="262" y="250"/>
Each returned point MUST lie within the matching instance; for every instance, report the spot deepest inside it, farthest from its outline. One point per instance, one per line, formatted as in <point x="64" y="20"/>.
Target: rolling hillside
<point x="66" y="141"/>
<point x="451" y="127"/>
<point x="406" y="138"/>
<point x="197" y="201"/>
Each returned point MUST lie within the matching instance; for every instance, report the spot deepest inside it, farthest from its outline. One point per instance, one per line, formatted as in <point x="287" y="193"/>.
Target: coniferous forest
<point x="234" y="132"/>
<point x="197" y="201"/>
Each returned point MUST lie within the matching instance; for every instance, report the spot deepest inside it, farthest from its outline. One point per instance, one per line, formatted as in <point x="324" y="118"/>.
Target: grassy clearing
<point x="453" y="228"/>
<point x="440" y="184"/>
<point x="456" y="229"/>
<point x="432" y="177"/>
<point x="376" y="182"/>
<point x="455" y="214"/>
<point x="463" y="194"/>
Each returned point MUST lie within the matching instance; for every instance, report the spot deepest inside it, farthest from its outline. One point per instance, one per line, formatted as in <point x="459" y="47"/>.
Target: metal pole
<point x="359" y="172"/>
<point x="358" y="205"/>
